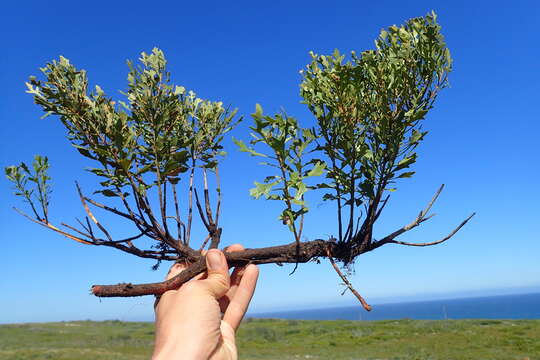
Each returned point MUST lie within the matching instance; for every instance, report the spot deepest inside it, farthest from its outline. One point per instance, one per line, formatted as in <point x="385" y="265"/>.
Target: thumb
<point x="218" y="280"/>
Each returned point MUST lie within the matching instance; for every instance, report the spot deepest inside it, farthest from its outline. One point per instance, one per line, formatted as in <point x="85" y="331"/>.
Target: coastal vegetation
<point x="288" y="339"/>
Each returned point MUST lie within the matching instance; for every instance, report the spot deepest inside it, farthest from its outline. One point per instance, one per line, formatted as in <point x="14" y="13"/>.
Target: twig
<point x="382" y="207"/>
<point x="178" y="222"/>
<point x="89" y="226"/>
<point x="201" y="213"/>
<point x="190" y="210"/>
<point x="164" y="208"/>
<point x="139" y="223"/>
<point x="76" y="230"/>
<point x="90" y="215"/>
<point x="218" y="191"/>
<point x="208" y="237"/>
<point x="113" y="210"/>
<point x="452" y="233"/>
<point x="419" y="219"/>
<point x="428" y="207"/>
<point x="82" y="225"/>
<point x="207" y="199"/>
<point x="54" y="228"/>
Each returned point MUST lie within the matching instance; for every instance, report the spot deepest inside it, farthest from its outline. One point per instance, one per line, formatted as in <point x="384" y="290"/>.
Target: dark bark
<point x="275" y="254"/>
<point x="291" y="253"/>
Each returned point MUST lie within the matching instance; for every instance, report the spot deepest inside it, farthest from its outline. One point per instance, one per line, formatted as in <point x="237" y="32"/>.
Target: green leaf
<point x="406" y="162"/>
<point x="301" y="189"/>
<point x="261" y="189"/>
<point x="317" y="170"/>
<point x="258" y="111"/>
<point x="406" y="174"/>
<point x="416" y="136"/>
<point x="108" y="193"/>
<point x="244" y="148"/>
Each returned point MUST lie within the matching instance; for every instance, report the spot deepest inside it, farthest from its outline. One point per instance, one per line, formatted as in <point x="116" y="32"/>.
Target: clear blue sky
<point x="483" y="144"/>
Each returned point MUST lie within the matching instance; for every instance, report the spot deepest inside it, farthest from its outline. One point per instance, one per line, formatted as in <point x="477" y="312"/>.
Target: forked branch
<point x="452" y="233"/>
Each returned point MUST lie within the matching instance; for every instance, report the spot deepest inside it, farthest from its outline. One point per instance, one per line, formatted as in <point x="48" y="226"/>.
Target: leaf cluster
<point x="289" y="145"/>
<point x="162" y="129"/>
<point x="32" y="184"/>
<point x="368" y="108"/>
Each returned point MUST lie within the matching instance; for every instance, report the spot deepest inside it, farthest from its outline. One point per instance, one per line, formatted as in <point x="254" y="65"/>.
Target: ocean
<point x="523" y="306"/>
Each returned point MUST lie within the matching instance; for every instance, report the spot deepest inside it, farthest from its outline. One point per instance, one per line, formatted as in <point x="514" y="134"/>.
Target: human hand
<point x="189" y="323"/>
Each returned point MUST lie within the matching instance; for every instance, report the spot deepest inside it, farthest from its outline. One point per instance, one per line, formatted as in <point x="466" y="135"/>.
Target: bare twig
<point x="428" y="207"/>
<point x="54" y="228"/>
<point x="422" y="216"/>
<point x="201" y="213"/>
<point x="218" y="191"/>
<point x="177" y="211"/>
<point x="144" y="203"/>
<point x="190" y="210"/>
<point x="382" y="207"/>
<point x="91" y="216"/>
<point x="207" y="199"/>
<point x="139" y="223"/>
<point x="182" y="250"/>
<point x="89" y="226"/>
<point x="83" y="225"/>
<point x="452" y="233"/>
<point x="164" y="208"/>
<point x="208" y="237"/>
<point x="76" y="230"/>
<point x="131" y="217"/>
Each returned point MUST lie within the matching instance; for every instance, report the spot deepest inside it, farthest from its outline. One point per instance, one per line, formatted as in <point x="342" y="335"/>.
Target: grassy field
<point x="288" y="339"/>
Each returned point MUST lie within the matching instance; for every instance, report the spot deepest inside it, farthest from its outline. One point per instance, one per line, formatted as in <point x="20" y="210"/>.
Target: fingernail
<point x="215" y="260"/>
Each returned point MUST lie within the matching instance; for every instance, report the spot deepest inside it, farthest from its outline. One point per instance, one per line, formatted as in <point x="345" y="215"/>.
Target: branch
<point x="201" y="213"/>
<point x="77" y="230"/>
<point x="218" y="190"/>
<point x="208" y="237"/>
<point x="90" y="215"/>
<point x="381" y="208"/>
<point x="291" y="253"/>
<point x="177" y="211"/>
<point x="142" y="201"/>
<point x="275" y="254"/>
<point x="190" y="210"/>
<point x="419" y="219"/>
<point x="164" y="208"/>
<point x="182" y="250"/>
<point x="54" y="228"/>
<point x="207" y="198"/>
<point x="452" y="233"/>
<point x="140" y="224"/>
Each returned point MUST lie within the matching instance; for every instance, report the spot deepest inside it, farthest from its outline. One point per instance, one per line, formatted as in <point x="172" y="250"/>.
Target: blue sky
<point x="482" y="144"/>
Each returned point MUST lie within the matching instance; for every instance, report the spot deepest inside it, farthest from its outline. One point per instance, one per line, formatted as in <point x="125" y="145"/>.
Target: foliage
<point x="289" y="144"/>
<point x="368" y="111"/>
<point x="40" y="192"/>
<point x="160" y="133"/>
<point x="162" y="129"/>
